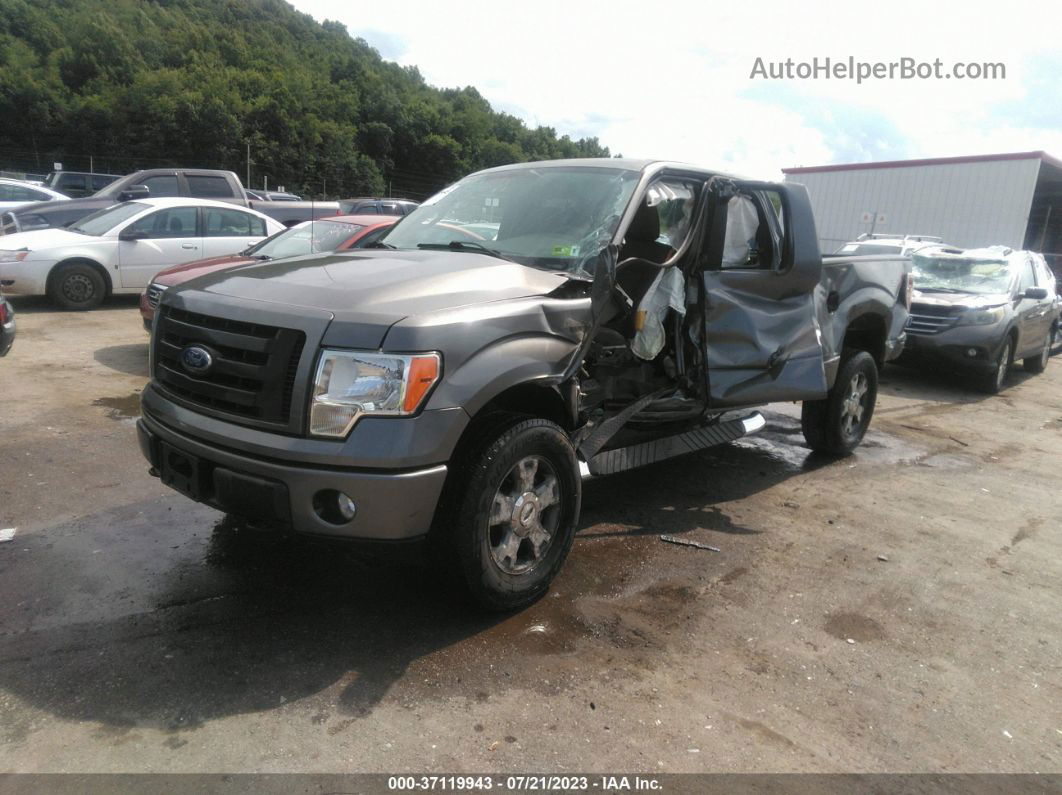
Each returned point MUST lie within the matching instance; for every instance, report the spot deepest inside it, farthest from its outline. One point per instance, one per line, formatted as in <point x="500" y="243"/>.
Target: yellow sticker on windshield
<point x="565" y="251"/>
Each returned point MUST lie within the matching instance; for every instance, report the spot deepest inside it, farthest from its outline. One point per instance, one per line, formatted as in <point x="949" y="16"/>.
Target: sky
<point x="672" y="80"/>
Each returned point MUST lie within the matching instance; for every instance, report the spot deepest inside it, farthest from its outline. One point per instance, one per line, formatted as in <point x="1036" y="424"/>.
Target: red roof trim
<point x="932" y="161"/>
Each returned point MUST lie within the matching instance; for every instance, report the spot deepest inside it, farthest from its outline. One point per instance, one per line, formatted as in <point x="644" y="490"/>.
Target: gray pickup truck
<point x="455" y="385"/>
<point x="154" y="183"/>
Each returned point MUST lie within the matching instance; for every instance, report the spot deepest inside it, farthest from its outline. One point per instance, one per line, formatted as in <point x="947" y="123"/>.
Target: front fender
<point x="490" y="347"/>
<point x="525" y="359"/>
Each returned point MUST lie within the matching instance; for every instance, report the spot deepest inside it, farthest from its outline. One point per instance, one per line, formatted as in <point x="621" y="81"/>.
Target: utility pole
<point x="92" y="169"/>
<point x="265" y="182"/>
<point x="248" y="182"/>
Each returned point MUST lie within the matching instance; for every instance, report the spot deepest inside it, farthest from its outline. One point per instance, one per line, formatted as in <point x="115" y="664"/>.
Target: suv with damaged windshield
<point x="528" y="327"/>
<point x="980" y="310"/>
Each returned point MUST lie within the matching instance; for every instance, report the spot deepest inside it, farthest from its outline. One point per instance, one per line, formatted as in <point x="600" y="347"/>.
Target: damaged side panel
<point x="763" y="341"/>
<point x="761" y="348"/>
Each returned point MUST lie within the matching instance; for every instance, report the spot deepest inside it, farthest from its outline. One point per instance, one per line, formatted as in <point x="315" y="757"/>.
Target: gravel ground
<point x="896" y="611"/>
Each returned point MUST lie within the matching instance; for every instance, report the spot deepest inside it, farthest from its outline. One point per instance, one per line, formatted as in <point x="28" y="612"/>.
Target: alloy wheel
<point x="1002" y="365"/>
<point x="524" y="515"/>
<point x="855" y="404"/>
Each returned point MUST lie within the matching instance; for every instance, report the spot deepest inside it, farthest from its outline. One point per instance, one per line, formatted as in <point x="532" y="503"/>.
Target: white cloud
<point x="672" y="80"/>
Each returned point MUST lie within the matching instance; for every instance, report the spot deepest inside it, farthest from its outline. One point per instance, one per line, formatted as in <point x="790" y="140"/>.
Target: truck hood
<point x="965" y="300"/>
<point x="369" y="291"/>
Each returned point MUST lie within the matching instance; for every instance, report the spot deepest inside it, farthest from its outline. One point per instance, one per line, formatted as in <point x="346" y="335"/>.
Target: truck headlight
<point x="981" y="317"/>
<point x="9" y="255"/>
<point x="349" y="384"/>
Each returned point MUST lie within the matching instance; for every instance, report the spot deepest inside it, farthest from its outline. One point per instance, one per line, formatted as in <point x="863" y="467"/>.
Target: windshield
<point x="556" y="217"/>
<point x="309" y="237"/>
<point x="103" y="221"/>
<point x="962" y="274"/>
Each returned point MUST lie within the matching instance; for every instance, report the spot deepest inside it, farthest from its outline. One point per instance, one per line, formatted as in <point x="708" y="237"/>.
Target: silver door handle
<point x="188" y="245"/>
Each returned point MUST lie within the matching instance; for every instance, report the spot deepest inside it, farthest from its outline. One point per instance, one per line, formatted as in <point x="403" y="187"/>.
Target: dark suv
<point x="979" y="310"/>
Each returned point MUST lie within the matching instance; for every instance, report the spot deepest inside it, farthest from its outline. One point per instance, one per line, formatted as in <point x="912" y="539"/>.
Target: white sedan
<point x="15" y="193"/>
<point x="119" y="249"/>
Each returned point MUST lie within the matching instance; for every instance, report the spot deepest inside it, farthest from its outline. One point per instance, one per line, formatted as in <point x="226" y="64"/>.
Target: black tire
<point x="835" y="425"/>
<point x="464" y="543"/>
<point x="77" y="286"/>
<point x="991" y="383"/>
<point x="1037" y="364"/>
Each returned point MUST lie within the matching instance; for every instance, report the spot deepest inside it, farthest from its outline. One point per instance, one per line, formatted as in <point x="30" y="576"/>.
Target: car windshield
<point x="103" y="221"/>
<point x="309" y="237"/>
<point x="555" y="217"/>
<point x="981" y="276"/>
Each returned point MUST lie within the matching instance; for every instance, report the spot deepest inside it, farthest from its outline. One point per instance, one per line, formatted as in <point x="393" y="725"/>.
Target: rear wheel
<point x="837" y="424"/>
<point x="993" y="382"/>
<point x="508" y="519"/>
<point x="77" y="286"/>
<point x="1037" y="364"/>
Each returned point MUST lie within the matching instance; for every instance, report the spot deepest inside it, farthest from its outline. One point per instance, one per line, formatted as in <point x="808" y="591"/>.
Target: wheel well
<point x="81" y="261"/>
<point x="867" y="333"/>
<point x="1012" y="332"/>
<point x="531" y="399"/>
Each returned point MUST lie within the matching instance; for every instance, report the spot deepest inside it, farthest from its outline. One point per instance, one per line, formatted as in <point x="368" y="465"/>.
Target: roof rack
<point x="913" y="238"/>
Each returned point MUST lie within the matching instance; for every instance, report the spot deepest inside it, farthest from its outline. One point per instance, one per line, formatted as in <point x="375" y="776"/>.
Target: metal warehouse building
<point x="1008" y="199"/>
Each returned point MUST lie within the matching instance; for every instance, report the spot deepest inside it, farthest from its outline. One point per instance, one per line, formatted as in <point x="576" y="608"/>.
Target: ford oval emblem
<point x="196" y="359"/>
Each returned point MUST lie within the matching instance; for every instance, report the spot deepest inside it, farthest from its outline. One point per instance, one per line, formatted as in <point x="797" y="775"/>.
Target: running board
<point x="637" y="455"/>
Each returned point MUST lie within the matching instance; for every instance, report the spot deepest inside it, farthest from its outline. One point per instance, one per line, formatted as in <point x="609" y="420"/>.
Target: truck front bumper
<point x="387" y="505"/>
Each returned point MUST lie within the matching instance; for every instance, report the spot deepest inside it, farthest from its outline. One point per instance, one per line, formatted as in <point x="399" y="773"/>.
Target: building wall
<point x="968" y="204"/>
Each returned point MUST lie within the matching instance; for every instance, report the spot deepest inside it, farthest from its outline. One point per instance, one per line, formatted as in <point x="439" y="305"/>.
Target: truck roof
<point x="624" y="163"/>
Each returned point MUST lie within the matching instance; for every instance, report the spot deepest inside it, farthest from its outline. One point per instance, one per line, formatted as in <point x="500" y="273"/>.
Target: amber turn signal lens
<point x="423" y="373"/>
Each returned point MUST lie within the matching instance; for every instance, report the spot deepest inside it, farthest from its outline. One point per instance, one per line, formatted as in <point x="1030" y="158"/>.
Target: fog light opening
<point x="971" y="352"/>
<point x="334" y="507"/>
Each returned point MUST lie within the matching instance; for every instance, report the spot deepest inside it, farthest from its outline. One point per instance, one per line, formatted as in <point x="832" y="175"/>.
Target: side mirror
<point x="134" y="192"/>
<point x="130" y="234"/>
<point x="1035" y="293"/>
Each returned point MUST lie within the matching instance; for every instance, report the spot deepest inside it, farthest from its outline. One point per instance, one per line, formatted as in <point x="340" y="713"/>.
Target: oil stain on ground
<point x="120" y="408"/>
<point x="854" y="626"/>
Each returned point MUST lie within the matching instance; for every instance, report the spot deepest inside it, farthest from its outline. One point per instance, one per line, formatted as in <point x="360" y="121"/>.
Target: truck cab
<point x="455" y="388"/>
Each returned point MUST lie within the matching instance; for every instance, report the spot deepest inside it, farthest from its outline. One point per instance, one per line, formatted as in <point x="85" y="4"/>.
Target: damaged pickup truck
<point x="527" y="327"/>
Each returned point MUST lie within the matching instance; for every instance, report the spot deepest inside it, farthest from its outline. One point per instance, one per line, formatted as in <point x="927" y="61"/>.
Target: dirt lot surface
<point x="899" y="610"/>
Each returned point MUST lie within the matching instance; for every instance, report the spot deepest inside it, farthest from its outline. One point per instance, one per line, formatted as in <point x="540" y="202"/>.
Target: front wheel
<point x="1037" y="364"/>
<point x="77" y="286"/>
<point x="993" y="382"/>
<point x="836" y="424"/>
<point x="508" y="519"/>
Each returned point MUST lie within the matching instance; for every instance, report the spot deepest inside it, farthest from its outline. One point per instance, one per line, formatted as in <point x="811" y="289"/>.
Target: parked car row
<point x="78" y="251"/>
<point x="61" y="211"/>
<point x="120" y="248"/>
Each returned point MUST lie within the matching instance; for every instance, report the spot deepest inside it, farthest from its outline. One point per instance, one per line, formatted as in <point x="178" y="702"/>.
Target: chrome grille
<point x="253" y="371"/>
<point x="930" y="319"/>
<point x="154" y="295"/>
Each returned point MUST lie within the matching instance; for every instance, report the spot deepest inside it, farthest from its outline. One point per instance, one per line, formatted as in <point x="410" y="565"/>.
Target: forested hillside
<point x="138" y="83"/>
